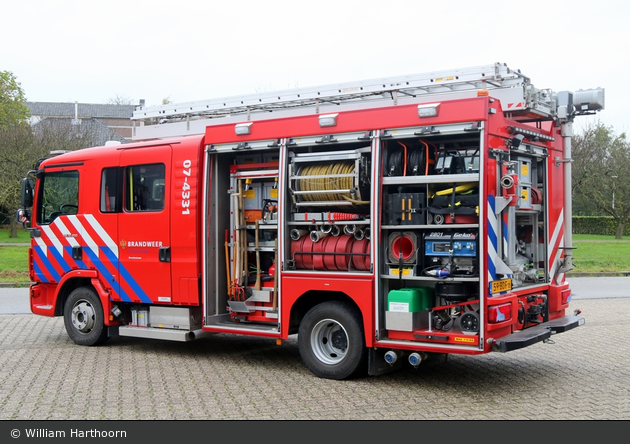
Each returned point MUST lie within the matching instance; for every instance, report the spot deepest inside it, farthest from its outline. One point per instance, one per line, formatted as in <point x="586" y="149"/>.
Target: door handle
<point x="77" y="253"/>
<point x="165" y="254"/>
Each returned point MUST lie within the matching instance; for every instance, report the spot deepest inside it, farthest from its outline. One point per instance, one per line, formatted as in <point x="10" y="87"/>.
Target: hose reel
<point x="340" y="179"/>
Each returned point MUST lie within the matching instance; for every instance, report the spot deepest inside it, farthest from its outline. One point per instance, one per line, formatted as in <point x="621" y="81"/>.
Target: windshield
<point x="59" y="194"/>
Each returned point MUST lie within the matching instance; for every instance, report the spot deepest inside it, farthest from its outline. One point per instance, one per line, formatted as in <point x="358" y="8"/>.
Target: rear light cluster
<point x="499" y="313"/>
<point x="566" y="296"/>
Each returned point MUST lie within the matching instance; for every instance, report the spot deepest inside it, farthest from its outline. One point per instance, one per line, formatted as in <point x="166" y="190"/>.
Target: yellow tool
<point x="458" y="189"/>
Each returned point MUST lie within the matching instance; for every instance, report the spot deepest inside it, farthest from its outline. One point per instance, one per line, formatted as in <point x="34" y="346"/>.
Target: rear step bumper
<point x="532" y="335"/>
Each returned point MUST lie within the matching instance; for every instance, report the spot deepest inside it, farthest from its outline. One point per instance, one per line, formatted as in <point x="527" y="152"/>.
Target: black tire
<point x="331" y="341"/>
<point x="83" y="317"/>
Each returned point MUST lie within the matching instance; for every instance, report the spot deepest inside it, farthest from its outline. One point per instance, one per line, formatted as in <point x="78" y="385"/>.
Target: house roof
<point x="84" y="110"/>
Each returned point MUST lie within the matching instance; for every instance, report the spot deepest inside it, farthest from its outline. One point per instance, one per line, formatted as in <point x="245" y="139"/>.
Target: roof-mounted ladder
<point x="518" y="97"/>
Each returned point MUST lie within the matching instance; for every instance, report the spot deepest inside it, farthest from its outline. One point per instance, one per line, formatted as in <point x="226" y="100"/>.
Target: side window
<point x="144" y="187"/>
<point x="110" y="191"/>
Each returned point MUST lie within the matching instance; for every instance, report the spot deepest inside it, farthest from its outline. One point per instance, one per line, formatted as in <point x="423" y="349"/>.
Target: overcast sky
<point x="189" y="50"/>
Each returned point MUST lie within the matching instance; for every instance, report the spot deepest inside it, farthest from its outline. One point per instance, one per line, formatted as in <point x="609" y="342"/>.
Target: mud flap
<point x="540" y="332"/>
<point x="378" y="366"/>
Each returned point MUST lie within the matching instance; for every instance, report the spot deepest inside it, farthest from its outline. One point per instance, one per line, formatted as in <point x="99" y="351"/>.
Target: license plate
<point x="502" y="285"/>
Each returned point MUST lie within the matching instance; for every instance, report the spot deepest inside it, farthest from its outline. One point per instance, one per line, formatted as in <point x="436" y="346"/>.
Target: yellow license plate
<point x="502" y="285"/>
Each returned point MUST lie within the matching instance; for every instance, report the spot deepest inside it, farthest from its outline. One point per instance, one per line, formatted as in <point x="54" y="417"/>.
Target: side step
<point x="167" y="334"/>
<point x="532" y="335"/>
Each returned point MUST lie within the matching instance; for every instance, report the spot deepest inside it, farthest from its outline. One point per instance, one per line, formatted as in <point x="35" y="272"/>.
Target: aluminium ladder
<point x="519" y="99"/>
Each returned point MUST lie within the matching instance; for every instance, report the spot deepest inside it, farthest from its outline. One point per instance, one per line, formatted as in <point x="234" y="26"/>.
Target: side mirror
<point x="23" y="217"/>
<point x="26" y="194"/>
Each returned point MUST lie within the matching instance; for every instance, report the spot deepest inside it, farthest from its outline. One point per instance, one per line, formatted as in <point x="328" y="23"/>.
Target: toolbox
<point x="404" y="209"/>
<point x="408" y="309"/>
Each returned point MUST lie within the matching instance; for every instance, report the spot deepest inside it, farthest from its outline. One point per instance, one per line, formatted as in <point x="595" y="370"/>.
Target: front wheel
<point x="331" y="341"/>
<point x="83" y="317"/>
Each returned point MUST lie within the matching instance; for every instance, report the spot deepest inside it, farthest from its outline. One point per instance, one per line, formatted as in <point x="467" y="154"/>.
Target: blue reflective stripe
<point x="492" y="269"/>
<point x="126" y="277"/>
<point x="59" y="258"/>
<point x="133" y="284"/>
<point x="49" y="266"/>
<point x="492" y="237"/>
<point x="104" y="272"/>
<point x="115" y="283"/>
<point x="39" y="273"/>
<point x="79" y="263"/>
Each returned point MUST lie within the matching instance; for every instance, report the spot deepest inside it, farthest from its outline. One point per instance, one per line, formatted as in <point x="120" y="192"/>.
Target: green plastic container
<point x="410" y="300"/>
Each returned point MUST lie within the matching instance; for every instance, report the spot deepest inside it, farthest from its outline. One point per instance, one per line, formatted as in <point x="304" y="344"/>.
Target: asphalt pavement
<point x="599" y="287"/>
<point x="14" y="301"/>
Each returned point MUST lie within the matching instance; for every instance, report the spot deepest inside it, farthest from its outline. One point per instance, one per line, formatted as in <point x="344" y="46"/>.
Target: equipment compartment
<point x="430" y="230"/>
<point x="328" y="210"/>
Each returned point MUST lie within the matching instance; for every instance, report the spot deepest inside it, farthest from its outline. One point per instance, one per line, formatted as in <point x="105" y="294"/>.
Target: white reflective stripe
<point x="495" y="222"/>
<point x="74" y="220"/>
<point x="556" y="232"/>
<point x="66" y="233"/>
<point x="53" y="238"/>
<point x="41" y="244"/>
<point x="553" y="255"/>
<point x="492" y="247"/>
<point x="101" y="232"/>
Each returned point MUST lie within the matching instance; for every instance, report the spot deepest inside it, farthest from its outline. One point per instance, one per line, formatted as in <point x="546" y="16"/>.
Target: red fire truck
<point x="381" y="221"/>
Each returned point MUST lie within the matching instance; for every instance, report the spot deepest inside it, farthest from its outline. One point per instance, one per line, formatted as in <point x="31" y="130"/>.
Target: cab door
<point x="144" y="225"/>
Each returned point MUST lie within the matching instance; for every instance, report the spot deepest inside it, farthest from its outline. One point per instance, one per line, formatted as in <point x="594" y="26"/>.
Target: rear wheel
<point x="83" y="317"/>
<point x="331" y="341"/>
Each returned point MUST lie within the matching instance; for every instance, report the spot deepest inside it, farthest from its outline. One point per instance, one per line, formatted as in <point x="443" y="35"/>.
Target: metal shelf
<point x="261" y="226"/>
<point x="429" y="278"/>
<point x="428" y="227"/>
<point x="332" y="222"/>
<point x="431" y="179"/>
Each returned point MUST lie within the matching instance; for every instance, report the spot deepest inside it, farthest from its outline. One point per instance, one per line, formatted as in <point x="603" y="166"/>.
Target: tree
<point x="18" y="154"/>
<point x="21" y="146"/>
<point x="62" y="134"/>
<point x="15" y="145"/>
<point x="600" y="159"/>
<point x="121" y="100"/>
<point x="13" y="108"/>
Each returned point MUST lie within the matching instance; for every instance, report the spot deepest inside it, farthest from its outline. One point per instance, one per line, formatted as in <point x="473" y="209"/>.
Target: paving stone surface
<point x="583" y="375"/>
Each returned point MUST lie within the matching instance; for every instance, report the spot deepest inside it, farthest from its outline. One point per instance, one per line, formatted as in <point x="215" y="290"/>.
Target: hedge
<point x="604" y="225"/>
